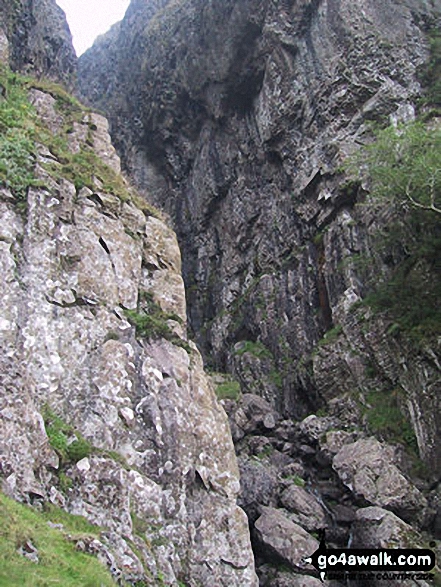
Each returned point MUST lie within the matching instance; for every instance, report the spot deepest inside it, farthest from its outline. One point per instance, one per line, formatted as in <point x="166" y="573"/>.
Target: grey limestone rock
<point x="284" y="539"/>
<point x="304" y="508"/>
<point x="368" y="468"/>
<point x="236" y="116"/>
<point x="160" y="469"/>
<point x="375" y="527"/>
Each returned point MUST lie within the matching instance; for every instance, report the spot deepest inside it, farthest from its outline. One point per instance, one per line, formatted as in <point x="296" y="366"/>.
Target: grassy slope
<point x="60" y="564"/>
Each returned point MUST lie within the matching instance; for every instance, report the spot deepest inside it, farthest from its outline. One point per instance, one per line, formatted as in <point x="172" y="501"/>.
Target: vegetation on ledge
<point x="151" y="322"/>
<point x="403" y="168"/>
<point x="57" y="562"/>
<point x="21" y="131"/>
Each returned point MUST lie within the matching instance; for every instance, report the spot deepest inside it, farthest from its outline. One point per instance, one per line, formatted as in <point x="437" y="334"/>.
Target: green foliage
<point x="297" y="480"/>
<point x="69" y="444"/>
<point x="412" y="298"/>
<point x="71" y="523"/>
<point x="331" y="335"/>
<point x="276" y="378"/>
<point x="17" y="144"/>
<point x="430" y="73"/>
<point x="65" y="102"/>
<point x="404" y="164"/>
<point x="151" y="322"/>
<point x="228" y="390"/>
<point x="265" y="452"/>
<point x="386" y="420"/>
<point x="257" y="349"/>
<point x="21" y="130"/>
<point x="60" y="564"/>
<point x="150" y="326"/>
<point x="139" y="525"/>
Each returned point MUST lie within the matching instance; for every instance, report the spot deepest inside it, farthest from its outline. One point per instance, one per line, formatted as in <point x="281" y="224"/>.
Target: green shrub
<point x="403" y="164"/>
<point x="149" y="325"/>
<point x="386" y="420"/>
<point x="79" y="449"/>
<point x="151" y="322"/>
<point x="257" y="349"/>
<point x="403" y="167"/>
<point x="21" y="130"/>
<point x="430" y="72"/>
<point x="17" y="140"/>
<point x="60" y="438"/>
<point x="331" y="335"/>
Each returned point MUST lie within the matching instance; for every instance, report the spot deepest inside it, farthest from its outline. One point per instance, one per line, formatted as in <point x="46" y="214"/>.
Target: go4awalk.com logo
<point x="368" y="561"/>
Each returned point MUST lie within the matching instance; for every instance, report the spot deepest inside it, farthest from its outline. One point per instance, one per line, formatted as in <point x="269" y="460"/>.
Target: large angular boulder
<point x="367" y="467"/>
<point x="283" y="539"/>
<point x="305" y="508"/>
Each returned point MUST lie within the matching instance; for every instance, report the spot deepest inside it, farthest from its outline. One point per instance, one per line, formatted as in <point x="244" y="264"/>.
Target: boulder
<point x="368" y="469"/>
<point x="254" y="414"/>
<point x="259" y="485"/>
<point x="304" y="508"/>
<point x="280" y="537"/>
<point x="375" y="527"/>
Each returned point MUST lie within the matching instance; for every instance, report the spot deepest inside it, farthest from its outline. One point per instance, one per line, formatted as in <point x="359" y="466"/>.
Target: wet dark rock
<point x="40" y="42"/>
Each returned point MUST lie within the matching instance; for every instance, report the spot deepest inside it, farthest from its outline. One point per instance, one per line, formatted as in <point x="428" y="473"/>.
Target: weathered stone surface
<point x="285" y="539"/>
<point x="253" y="414"/>
<point x="4" y="47"/>
<point x="241" y="146"/>
<point x="314" y="428"/>
<point x="305" y="509"/>
<point x="159" y="468"/>
<point x="40" y="42"/>
<point x="375" y="527"/>
<point x="259" y="485"/>
<point x="367" y="468"/>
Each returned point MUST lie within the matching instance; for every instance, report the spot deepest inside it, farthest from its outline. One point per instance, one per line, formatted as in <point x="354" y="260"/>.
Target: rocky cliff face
<point x="105" y="410"/>
<point x="39" y="39"/>
<point x="235" y="117"/>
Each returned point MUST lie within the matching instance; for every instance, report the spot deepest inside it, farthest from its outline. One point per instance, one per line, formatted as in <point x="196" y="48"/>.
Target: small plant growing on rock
<point x="151" y="322"/>
<point x="69" y="444"/>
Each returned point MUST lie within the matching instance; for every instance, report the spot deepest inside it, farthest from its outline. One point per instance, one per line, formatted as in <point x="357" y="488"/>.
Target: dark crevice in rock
<point x="104" y="245"/>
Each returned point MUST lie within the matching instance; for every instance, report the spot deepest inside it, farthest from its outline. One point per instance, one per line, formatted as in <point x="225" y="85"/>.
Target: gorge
<point x="314" y="302"/>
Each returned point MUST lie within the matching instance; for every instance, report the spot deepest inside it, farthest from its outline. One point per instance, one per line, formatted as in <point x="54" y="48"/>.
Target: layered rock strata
<point x="105" y="409"/>
<point x="236" y="116"/>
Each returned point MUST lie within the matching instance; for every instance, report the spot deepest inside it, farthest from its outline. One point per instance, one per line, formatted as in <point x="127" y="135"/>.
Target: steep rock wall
<point x="235" y="117"/>
<point x="105" y="410"/>
<point x="39" y="39"/>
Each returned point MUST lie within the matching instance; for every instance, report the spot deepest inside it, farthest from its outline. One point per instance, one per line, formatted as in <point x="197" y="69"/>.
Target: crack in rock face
<point x="237" y="119"/>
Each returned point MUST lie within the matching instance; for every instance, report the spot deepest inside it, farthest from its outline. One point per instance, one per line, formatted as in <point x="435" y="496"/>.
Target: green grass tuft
<point x="228" y="390"/>
<point x="60" y="564"/>
<point x="386" y="420"/>
<point x="68" y="443"/>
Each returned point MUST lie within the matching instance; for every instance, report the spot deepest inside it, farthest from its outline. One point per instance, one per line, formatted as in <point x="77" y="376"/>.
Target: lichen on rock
<point x="145" y="452"/>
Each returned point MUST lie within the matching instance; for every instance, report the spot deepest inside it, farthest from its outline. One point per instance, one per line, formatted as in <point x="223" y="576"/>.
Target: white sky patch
<point x="90" y="18"/>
